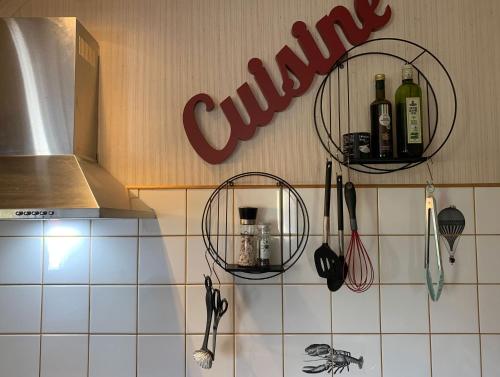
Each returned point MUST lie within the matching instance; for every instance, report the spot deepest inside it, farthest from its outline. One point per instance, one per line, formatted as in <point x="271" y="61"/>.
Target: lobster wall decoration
<point x="336" y="360"/>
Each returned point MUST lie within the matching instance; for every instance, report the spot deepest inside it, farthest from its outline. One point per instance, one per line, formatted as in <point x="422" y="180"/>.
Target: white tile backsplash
<point x="399" y="257"/>
<point x="196" y="201"/>
<point x="112" y="355"/>
<point x="314" y="199"/>
<point x="490" y="349"/>
<point x="113" y="260"/>
<point x="113" y="309"/>
<point x="170" y="209"/>
<point x="450" y="315"/>
<point x="258" y="355"/>
<point x="162" y="260"/>
<point x="487" y="209"/>
<point x="115" y="227"/>
<point x="21" y="260"/>
<point x="157" y="354"/>
<point x="356" y="313"/>
<point x="401" y="352"/>
<point x="404" y="309"/>
<point x="20" y="309"/>
<point x="67" y="228"/>
<point x="197" y="265"/>
<point x="65" y="309"/>
<point x="142" y="284"/>
<point x="66" y="260"/>
<point x="161" y="309"/>
<point x="400" y="211"/>
<point x="455" y="356"/>
<point x="489" y="307"/>
<point x="488" y="259"/>
<point x="258" y="308"/>
<point x="64" y="356"/>
<point x="16" y="228"/>
<point x="20" y="355"/>
<point x="306" y="309"/>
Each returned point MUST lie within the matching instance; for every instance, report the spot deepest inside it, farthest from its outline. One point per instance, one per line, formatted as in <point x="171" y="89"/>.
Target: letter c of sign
<point x="196" y="137"/>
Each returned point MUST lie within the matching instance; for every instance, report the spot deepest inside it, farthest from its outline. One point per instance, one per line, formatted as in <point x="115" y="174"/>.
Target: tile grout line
<point x="234" y="287"/>
<point x="379" y="288"/>
<point x="137" y="301"/>
<point x="282" y="327"/>
<point x="199" y="284"/>
<point x="185" y="281"/>
<point x="41" y="301"/>
<point x="477" y="286"/>
<point x="240" y="333"/>
<point x="89" y="300"/>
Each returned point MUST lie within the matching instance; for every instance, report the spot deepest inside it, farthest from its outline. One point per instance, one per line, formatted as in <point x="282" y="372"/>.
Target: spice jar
<point x="264" y="238"/>
<point x="248" y="249"/>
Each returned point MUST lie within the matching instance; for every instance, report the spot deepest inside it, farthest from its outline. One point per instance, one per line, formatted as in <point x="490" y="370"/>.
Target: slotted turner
<point x="324" y="257"/>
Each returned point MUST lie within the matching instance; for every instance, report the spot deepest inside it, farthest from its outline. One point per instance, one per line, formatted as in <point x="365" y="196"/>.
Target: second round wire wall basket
<point x="439" y="101"/>
<point x="286" y="215"/>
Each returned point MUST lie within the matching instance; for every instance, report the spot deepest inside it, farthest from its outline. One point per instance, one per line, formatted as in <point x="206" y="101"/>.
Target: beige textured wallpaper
<point x="156" y="54"/>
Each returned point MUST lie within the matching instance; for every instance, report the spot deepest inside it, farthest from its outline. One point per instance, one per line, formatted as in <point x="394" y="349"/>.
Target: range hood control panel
<point x="34" y="213"/>
<point x="27" y="214"/>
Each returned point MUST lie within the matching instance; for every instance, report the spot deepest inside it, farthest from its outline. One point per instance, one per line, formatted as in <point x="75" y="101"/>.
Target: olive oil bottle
<point x="409" y="116"/>
<point x="381" y="121"/>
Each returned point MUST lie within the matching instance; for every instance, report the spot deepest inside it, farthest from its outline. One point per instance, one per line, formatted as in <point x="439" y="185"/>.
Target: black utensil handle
<point x="340" y="203"/>
<point x="328" y="187"/>
<point x="210" y="309"/>
<point x="350" y="199"/>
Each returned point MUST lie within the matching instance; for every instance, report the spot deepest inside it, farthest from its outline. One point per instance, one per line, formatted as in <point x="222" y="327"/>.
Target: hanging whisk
<point x="360" y="272"/>
<point x="451" y="223"/>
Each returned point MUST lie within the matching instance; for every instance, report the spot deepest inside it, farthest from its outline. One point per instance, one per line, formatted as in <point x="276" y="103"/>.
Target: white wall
<point x="119" y="298"/>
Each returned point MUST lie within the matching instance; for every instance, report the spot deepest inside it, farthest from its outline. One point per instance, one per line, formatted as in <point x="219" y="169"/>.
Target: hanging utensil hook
<point x="430" y="172"/>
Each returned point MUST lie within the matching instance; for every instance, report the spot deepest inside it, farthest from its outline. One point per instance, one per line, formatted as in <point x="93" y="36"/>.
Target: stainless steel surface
<point x="37" y="93"/>
<point x="49" y="74"/>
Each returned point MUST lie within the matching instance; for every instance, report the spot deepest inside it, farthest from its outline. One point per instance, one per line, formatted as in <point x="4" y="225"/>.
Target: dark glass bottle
<point x="381" y="121"/>
<point x="409" y="116"/>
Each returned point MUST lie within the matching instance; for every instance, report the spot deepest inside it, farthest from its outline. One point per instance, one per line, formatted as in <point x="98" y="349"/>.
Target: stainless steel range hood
<point x="49" y="85"/>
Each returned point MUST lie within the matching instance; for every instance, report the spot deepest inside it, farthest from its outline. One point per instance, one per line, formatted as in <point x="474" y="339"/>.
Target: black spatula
<point x="336" y="276"/>
<point x="324" y="256"/>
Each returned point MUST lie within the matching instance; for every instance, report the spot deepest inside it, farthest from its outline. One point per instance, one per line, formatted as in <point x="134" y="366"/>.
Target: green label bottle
<point x="381" y="121"/>
<point x="409" y="116"/>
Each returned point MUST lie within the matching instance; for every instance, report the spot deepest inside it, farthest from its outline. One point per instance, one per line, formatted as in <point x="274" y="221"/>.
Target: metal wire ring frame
<point x="213" y="245"/>
<point x="345" y="59"/>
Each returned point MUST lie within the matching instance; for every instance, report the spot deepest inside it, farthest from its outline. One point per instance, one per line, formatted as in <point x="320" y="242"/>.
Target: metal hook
<point x="215" y="273"/>
<point x="208" y="263"/>
<point x="338" y="162"/>
<point x="430" y="172"/>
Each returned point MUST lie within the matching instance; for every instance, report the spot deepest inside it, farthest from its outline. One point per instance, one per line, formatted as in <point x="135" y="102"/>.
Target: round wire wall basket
<point x="280" y="206"/>
<point x="335" y="94"/>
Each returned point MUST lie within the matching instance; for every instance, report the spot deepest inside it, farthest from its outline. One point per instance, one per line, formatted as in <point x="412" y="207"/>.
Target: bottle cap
<point x="247" y="213"/>
<point x="407" y="72"/>
<point x="379" y="76"/>
<point x="263" y="227"/>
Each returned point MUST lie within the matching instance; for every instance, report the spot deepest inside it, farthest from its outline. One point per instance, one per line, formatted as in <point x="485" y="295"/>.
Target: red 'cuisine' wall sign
<point x="288" y="63"/>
